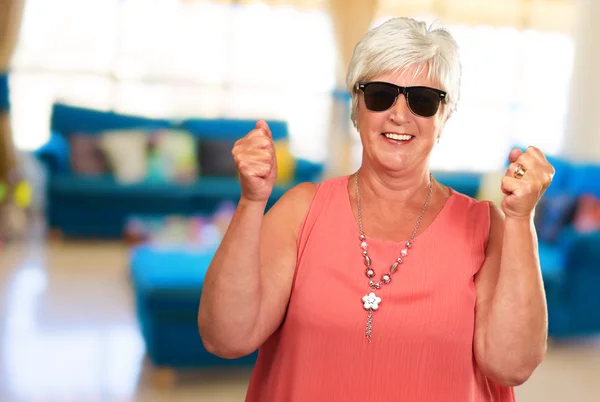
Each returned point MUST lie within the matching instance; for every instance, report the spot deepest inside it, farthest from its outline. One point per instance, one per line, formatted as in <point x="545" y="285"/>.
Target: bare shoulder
<point x="300" y="194"/>
<point x="496" y="227"/>
<point x="293" y="205"/>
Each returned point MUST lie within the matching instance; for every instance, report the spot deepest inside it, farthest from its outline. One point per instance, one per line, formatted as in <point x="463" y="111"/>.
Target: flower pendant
<point x="371" y="301"/>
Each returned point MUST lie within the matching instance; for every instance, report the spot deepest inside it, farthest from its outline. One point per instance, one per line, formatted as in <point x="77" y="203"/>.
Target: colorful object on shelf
<point x="286" y="163"/>
<point x="200" y="232"/>
<point x="3" y="191"/>
<point x="23" y="194"/>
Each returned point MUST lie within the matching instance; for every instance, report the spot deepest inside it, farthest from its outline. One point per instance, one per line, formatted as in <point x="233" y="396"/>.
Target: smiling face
<point x="397" y="139"/>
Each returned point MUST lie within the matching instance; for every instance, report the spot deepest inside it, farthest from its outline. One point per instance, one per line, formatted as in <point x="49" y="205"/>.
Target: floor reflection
<point x="43" y="361"/>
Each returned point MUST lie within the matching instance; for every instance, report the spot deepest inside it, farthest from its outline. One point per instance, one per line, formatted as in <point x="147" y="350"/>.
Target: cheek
<point x="430" y="127"/>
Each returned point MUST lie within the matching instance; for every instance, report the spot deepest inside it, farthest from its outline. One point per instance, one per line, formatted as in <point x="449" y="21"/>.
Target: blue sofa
<point x="86" y="206"/>
<point x="167" y="286"/>
<point x="571" y="262"/>
<point x="4" y="95"/>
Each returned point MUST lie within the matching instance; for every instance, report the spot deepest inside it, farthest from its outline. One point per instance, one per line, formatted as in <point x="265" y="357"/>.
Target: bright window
<point x="180" y="59"/>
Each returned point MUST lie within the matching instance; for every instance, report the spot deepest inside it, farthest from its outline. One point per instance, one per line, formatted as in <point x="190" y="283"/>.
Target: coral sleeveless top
<point x="422" y="337"/>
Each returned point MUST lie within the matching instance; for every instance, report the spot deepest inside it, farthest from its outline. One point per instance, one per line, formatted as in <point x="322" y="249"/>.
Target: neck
<point x="396" y="187"/>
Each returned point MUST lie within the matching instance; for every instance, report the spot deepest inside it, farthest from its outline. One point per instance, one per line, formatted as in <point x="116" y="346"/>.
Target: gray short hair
<point x="400" y="43"/>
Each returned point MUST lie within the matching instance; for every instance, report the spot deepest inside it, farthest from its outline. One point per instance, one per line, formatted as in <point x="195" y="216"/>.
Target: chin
<point x="394" y="165"/>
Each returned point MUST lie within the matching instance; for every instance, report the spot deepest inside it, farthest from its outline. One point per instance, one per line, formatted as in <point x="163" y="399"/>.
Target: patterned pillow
<point x="587" y="216"/>
<point x="172" y="157"/>
<point x="552" y="214"/>
<point x="216" y="158"/>
<point x="87" y="157"/>
<point x="126" y="153"/>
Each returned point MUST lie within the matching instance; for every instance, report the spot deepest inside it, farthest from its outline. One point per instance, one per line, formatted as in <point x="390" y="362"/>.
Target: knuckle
<point x="243" y="164"/>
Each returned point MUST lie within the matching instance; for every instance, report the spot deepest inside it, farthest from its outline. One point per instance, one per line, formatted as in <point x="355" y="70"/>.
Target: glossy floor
<point x="68" y="333"/>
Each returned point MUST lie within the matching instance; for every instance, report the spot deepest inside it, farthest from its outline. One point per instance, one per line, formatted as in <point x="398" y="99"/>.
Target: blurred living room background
<point x="117" y="119"/>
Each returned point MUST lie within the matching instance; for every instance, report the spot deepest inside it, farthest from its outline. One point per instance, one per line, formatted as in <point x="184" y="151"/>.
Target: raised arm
<point x="247" y="287"/>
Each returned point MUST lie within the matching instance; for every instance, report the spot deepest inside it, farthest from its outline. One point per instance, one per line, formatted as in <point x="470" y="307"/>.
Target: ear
<point x="356" y="113"/>
<point x="447" y="116"/>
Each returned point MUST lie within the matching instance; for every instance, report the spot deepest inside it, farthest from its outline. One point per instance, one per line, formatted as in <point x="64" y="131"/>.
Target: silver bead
<point x="378" y="285"/>
<point x="408" y="244"/>
<point x="394" y="267"/>
<point x="371" y="283"/>
<point x="367" y="261"/>
<point x="362" y="237"/>
<point x="365" y="252"/>
<point x="370" y="273"/>
<point x="386" y="279"/>
<point x="399" y="260"/>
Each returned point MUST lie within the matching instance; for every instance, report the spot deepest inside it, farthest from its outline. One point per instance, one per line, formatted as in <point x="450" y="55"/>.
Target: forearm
<point x="231" y="292"/>
<point x="517" y="323"/>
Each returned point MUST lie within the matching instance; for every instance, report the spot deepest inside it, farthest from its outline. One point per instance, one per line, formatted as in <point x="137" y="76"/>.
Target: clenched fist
<point x="254" y="157"/>
<point x="527" y="178"/>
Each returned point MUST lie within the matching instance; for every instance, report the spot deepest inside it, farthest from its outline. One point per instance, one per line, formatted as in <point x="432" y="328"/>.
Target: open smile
<point x="398" y="138"/>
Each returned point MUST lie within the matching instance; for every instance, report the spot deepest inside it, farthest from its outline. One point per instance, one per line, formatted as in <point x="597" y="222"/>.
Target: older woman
<point x="383" y="285"/>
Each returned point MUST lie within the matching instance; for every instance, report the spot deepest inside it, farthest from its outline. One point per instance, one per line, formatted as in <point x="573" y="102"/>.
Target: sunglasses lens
<point x="423" y="102"/>
<point x="379" y="97"/>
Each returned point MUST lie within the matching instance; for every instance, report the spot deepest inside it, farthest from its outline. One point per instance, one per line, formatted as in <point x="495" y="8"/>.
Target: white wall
<point x="582" y="139"/>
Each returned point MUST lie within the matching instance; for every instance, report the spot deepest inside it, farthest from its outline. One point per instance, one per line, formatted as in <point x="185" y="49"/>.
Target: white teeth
<point x="399" y="137"/>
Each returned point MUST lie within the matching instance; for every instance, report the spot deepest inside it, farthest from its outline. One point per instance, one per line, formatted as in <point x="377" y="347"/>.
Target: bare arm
<point x="247" y="287"/>
<point x="511" y="316"/>
<point x="511" y="320"/>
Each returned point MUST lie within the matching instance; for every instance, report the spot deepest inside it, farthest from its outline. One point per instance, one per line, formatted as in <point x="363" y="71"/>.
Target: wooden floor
<point x="68" y="333"/>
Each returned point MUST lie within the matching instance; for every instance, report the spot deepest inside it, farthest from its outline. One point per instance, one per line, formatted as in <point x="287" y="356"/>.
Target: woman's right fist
<point x="254" y="157"/>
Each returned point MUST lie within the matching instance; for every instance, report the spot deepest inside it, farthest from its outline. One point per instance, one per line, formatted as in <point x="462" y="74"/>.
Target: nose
<point x="400" y="112"/>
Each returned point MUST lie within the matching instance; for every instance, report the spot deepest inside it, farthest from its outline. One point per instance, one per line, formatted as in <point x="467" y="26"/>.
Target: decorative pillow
<point x="552" y="214"/>
<point x="286" y="163"/>
<point x="215" y="158"/>
<point x="126" y="153"/>
<point x="490" y="188"/>
<point x="87" y="157"/>
<point x="587" y="216"/>
<point x="172" y="156"/>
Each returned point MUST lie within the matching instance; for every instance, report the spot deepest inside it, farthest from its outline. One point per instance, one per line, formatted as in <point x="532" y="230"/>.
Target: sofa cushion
<point x="215" y="158"/>
<point x="126" y="151"/>
<point x="169" y="278"/>
<point x="86" y="155"/>
<point x="552" y="214"/>
<point x="172" y="156"/>
<point x="587" y="216"/>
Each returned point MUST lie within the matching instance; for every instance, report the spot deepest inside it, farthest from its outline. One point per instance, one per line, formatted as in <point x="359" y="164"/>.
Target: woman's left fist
<point x="527" y="178"/>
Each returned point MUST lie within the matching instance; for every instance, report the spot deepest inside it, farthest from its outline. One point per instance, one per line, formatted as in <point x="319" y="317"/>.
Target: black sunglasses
<point x="380" y="96"/>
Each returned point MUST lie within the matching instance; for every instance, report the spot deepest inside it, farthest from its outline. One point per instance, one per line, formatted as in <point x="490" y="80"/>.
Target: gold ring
<point x="519" y="172"/>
